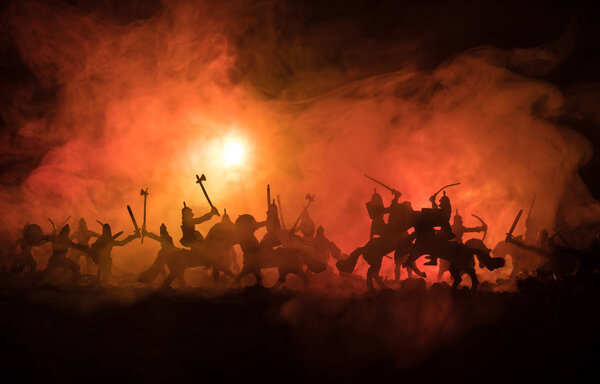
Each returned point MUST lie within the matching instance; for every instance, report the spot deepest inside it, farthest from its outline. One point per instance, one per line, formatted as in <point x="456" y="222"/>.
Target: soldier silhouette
<point x="188" y="225"/>
<point x="441" y="218"/>
<point x="60" y="246"/>
<point x="271" y="238"/>
<point x="21" y="250"/>
<point x="166" y="247"/>
<point x="82" y="236"/>
<point x="401" y="217"/>
<point x="324" y="247"/>
<point x="246" y="225"/>
<point x="101" y="250"/>
<point x="553" y="263"/>
<point x="376" y="210"/>
<point x="459" y="229"/>
<point x="226" y="220"/>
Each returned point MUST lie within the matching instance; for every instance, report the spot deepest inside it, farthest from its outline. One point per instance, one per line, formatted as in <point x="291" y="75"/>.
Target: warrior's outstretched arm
<point x="564" y="249"/>
<point x="80" y="247"/>
<point x="151" y="235"/>
<point x="260" y="224"/>
<point x="128" y="239"/>
<point x="473" y="229"/>
<point x="203" y="218"/>
<point x="540" y="251"/>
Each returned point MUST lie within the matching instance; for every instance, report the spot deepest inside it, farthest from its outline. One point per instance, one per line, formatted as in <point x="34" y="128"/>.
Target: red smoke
<point x="151" y="103"/>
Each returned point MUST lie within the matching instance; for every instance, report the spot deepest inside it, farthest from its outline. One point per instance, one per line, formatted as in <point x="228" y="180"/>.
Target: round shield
<point x="33" y="234"/>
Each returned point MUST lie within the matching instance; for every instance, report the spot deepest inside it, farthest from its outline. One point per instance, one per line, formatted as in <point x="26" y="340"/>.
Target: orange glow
<point x="233" y="153"/>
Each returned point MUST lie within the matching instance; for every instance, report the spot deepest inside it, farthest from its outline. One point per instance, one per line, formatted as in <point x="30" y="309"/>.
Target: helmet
<point x="245" y="220"/>
<point x="33" y="234"/>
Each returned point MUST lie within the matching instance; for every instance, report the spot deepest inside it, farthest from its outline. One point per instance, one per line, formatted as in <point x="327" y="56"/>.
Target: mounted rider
<point x="188" y="225"/>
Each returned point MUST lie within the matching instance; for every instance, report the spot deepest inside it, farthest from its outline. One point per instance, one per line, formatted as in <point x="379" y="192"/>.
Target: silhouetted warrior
<point x="306" y="227"/>
<point x="459" y="229"/>
<point x="188" y="225"/>
<point x="60" y="246"/>
<point x="166" y="247"/>
<point x="82" y="236"/>
<point x="376" y="210"/>
<point x="273" y="225"/>
<point x="552" y="262"/>
<point x="226" y="220"/>
<point x="21" y="250"/>
<point x="588" y="258"/>
<point x="324" y="247"/>
<point x="400" y="219"/>
<point x="101" y="250"/>
<point x="246" y="225"/>
<point x="440" y="216"/>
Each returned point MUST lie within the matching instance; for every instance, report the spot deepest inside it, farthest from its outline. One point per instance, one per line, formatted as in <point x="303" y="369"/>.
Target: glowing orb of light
<point x="233" y="153"/>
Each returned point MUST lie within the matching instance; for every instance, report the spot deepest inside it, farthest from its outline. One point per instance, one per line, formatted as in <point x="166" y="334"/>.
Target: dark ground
<point x="543" y="332"/>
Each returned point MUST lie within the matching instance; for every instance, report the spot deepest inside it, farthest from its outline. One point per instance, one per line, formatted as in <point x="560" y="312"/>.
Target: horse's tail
<point x="157" y="267"/>
<point x="348" y="264"/>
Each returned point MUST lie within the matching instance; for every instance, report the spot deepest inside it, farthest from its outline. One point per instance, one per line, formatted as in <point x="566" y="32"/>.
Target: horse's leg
<point x="397" y="265"/>
<point x="169" y="280"/>
<point x="281" y="280"/>
<point x="455" y="276"/>
<point x="181" y="279"/>
<point x="443" y="267"/>
<point x="258" y="274"/>
<point x="379" y="281"/>
<point x="245" y="271"/>
<point x="227" y="272"/>
<point x="303" y="275"/>
<point x="413" y="255"/>
<point x="474" y="279"/>
<point x="370" y="279"/>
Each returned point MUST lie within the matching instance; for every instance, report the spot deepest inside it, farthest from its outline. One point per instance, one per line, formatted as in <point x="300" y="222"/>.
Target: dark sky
<point x="354" y="37"/>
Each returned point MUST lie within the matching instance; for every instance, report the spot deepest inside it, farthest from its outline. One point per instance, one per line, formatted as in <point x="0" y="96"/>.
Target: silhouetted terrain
<point x="544" y="332"/>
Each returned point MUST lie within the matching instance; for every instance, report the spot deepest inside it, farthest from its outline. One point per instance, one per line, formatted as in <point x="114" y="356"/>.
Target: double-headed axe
<point x="199" y="180"/>
<point x="310" y="200"/>
<point x="145" y="194"/>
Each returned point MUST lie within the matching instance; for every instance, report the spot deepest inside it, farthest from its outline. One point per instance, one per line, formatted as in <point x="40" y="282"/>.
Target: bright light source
<point x="234" y="152"/>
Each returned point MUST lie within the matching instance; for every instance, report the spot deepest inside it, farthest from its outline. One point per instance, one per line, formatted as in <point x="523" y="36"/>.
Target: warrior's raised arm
<point x="128" y="239"/>
<point x="151" y="235"/>
<point x="206" y="217"/>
